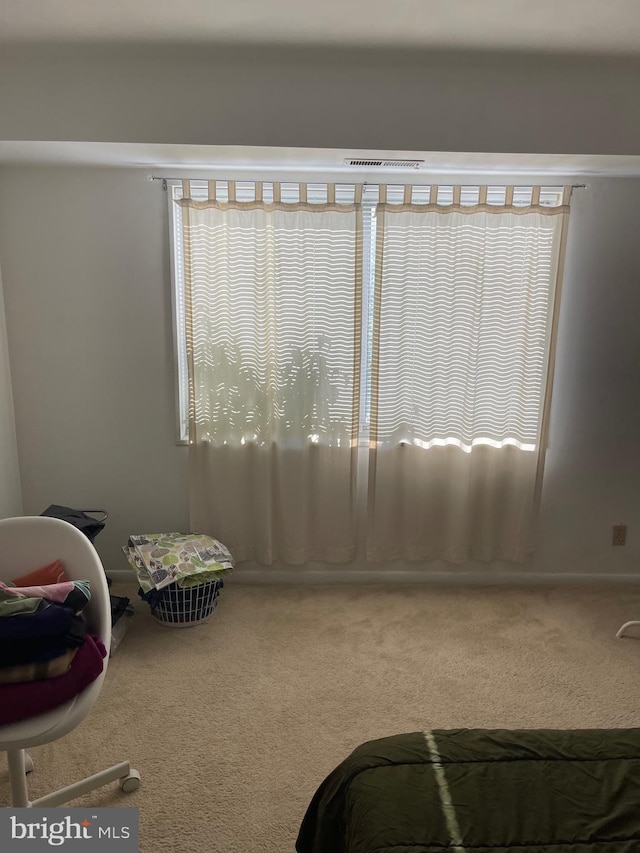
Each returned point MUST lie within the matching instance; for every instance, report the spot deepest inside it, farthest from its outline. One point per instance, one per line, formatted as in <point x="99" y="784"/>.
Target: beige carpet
<point x="233" y="724"/>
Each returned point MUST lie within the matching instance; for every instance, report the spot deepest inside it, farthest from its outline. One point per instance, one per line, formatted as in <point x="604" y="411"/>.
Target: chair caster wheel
<point x="28" y="763"/>
<point x="131" y="782"/>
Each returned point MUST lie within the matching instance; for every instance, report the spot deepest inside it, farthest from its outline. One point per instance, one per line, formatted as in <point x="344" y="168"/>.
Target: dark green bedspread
<point x="531" y="791"/>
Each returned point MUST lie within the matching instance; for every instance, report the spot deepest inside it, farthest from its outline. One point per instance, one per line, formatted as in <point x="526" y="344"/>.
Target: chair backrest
<point x="31" y="542"/>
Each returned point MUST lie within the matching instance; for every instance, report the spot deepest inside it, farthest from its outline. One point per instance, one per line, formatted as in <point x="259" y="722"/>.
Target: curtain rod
<point x="160" y="178"/>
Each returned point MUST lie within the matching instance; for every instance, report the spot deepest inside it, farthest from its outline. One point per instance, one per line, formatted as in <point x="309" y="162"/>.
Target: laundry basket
<point x="181" y="607"/>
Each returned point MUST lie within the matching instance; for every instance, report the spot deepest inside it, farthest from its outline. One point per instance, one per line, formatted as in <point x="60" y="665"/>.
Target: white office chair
<point x="26" y="544"/>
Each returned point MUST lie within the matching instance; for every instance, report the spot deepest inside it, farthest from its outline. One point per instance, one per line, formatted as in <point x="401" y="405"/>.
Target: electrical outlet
<point x="619" y="534"/>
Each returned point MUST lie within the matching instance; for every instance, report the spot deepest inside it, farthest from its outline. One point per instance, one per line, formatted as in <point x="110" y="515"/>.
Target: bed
<point x="480" y="790"/>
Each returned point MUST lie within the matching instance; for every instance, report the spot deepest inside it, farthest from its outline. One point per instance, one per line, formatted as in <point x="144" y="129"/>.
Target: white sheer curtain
<point x="453" y="323"/>
<point x="462" y="328"/>
<point x="273" y="334"/>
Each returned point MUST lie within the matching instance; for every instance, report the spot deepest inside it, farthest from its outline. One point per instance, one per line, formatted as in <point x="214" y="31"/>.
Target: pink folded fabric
<point x="28" y="699"/>
<point x="57" y="592"/>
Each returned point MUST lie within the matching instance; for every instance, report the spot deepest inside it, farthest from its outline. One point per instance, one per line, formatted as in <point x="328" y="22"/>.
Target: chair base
<point x="20" y="764"/>
<point x="626" y="625"/>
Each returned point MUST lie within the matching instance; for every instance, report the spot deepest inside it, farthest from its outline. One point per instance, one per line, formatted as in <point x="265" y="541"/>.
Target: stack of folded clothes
<point x="47" y="655"/>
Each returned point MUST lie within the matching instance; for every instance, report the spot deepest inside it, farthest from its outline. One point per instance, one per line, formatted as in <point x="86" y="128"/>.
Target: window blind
<point x="462" y="306"/>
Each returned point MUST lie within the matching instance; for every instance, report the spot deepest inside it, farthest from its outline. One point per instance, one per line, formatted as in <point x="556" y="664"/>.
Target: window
<point x="445" y="196"/>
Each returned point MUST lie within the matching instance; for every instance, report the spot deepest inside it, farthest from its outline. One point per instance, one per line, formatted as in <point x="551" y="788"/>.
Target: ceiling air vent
<point x="384" y="164"/>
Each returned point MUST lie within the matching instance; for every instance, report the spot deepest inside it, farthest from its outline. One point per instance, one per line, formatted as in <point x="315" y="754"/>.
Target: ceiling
<point x="567" y="26"/>
<point x="591" y="27"/>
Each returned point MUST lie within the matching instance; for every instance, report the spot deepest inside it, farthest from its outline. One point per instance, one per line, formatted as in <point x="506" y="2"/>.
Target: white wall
<point x="592" y="478"/>
<point x="87" y="296"/>
<point x="85" y="263"/>
<point x="10" y="492"/>
<point x="421" y="100"/>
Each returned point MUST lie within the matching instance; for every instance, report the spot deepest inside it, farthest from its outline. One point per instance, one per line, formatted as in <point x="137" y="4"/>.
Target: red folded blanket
<point x="53" y="573"/>
<point x="28" y="699"/>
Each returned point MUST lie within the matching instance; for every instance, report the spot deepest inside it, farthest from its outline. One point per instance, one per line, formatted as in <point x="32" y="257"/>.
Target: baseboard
<point x="451" y="578"/>
<point x="416" y="576"/>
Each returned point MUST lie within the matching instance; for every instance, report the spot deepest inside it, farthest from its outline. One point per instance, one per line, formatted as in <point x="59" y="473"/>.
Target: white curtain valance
<point x="265" y="193"/>
<point x="443" y="198"/>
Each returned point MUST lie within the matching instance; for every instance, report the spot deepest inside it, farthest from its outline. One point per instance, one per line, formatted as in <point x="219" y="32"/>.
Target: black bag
<point x="79" y="518"/>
